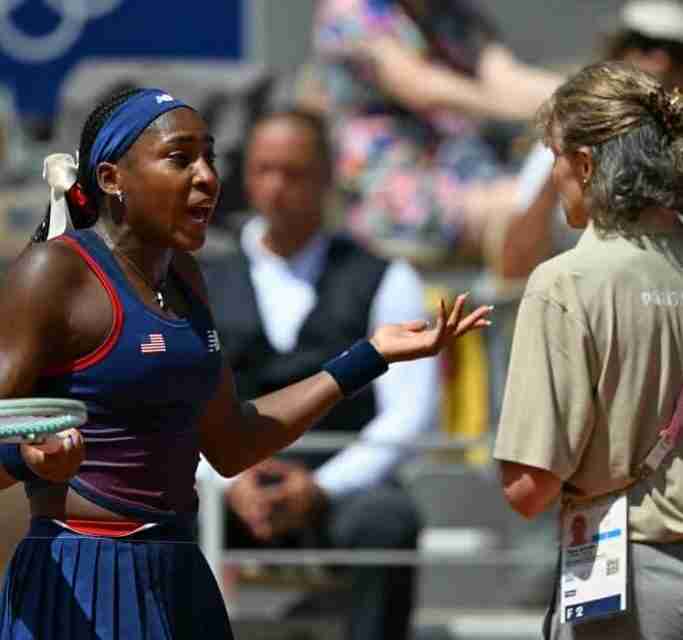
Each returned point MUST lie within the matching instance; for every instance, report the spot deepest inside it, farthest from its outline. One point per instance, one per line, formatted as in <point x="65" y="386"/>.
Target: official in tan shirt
<point x="597" y="358"/>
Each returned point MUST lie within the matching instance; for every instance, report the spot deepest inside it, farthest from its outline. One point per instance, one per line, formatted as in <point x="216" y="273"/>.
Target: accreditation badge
<point x="594" y="559"/>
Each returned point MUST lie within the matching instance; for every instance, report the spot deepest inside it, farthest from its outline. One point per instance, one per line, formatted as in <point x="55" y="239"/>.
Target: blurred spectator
<point x="408" y="82"/>
<point x="304" y="294"/>
<point x="649" y="34"/>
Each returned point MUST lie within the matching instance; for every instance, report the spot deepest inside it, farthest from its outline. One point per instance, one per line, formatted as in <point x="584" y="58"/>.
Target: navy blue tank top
<point x="145" y="388"/>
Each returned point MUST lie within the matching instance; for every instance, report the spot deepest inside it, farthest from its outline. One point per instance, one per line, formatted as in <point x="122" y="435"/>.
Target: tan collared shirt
<point x="595" y="372"/>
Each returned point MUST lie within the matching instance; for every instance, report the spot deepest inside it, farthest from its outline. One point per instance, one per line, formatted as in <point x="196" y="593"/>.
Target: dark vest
<point x="345" y="292"/>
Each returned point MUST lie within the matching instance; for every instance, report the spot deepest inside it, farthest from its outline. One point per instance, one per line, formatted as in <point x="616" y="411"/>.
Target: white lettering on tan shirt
<point x="661" y="298"/>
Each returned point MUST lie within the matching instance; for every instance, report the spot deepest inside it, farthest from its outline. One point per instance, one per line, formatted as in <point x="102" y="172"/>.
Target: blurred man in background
<point x="304" y="294"/>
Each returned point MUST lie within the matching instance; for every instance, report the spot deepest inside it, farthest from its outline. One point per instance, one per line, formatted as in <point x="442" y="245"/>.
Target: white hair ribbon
<point x="59" y="171"/>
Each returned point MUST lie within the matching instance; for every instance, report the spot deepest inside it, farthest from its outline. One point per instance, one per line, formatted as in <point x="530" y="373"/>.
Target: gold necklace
<point x="156" y="290"/>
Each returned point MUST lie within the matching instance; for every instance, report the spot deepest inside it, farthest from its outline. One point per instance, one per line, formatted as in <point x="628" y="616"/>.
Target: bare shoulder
<point x="49" y="269"/>
<point x="38" y="297"/>
<point x="187" y="267"/>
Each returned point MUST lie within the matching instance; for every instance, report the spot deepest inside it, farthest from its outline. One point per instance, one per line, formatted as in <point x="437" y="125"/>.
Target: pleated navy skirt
<point x="153" y="585"/>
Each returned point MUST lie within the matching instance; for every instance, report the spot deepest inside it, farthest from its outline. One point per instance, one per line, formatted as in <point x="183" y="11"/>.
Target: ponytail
<point x="69" y="206"/>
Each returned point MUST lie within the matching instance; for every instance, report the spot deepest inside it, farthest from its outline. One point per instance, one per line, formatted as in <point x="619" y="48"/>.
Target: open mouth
<point x="201" y="214"/>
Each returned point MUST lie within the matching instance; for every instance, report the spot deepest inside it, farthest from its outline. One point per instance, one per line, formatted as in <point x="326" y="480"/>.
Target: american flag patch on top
<point x="155" y="344"/>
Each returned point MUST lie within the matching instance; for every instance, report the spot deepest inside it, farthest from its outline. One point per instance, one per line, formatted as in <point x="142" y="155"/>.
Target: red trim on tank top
<point x="104" y="349"/>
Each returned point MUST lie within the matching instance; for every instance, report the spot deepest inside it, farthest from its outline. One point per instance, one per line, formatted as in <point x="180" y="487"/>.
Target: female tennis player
<point x="109" y="554"/>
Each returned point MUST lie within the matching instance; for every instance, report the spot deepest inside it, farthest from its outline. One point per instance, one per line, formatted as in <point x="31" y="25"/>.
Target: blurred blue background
<point x="42" y="40"/>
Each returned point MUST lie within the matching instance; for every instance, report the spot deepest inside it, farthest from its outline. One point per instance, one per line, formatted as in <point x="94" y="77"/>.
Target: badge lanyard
<point x="668" y="439"/>
<point x="594" y="537"/>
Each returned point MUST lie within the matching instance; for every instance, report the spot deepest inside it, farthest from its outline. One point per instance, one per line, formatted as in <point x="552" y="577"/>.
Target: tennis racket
<point x="39" y="420"/>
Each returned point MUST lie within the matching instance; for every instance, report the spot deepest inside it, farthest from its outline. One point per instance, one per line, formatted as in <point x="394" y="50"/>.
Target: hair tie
<point x="665" y="108"/>
<point x="79" y="200"/>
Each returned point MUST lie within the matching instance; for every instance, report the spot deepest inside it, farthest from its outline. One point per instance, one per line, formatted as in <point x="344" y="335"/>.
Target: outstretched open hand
<point x="413" y="340"/>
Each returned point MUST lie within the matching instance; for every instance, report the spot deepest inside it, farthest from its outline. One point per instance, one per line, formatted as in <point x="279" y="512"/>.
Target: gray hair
<point x="633" y="128"/>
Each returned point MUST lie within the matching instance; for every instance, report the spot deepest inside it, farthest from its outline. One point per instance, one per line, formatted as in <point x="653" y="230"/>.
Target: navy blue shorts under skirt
<point x="154" y="585"/>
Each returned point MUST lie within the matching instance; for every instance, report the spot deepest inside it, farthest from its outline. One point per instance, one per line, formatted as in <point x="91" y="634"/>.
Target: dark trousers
<point x="385" y="517"/>
<point x="655" y="601"/>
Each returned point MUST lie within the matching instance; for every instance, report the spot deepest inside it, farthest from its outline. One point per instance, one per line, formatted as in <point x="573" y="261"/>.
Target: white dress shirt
<point x="407" y="396"/>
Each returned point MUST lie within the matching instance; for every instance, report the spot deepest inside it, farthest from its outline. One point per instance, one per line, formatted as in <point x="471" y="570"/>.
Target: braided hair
<point x="82" y="204"/>
<point x="91" y="128"/>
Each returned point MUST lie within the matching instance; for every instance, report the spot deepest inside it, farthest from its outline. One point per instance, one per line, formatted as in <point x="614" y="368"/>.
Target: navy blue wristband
<point x="13" y="462"/>
<point x="357" y="367"/>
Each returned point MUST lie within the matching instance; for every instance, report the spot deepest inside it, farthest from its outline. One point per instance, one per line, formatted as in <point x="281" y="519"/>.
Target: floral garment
<point x="402" y="173"/>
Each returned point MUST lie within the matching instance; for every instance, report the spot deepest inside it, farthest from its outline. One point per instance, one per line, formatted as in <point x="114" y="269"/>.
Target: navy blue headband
<point x="124" y="126"/>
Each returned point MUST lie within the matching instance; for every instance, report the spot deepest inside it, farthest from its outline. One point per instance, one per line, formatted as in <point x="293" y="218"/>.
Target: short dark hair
<point x="315" y="123"/>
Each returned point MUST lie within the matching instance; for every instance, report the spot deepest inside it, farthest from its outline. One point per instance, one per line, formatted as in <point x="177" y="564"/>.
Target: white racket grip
<point x="51" y="443"/>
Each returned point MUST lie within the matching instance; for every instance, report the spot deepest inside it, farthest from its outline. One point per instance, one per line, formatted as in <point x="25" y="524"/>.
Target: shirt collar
<point x="307" y="264"/>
